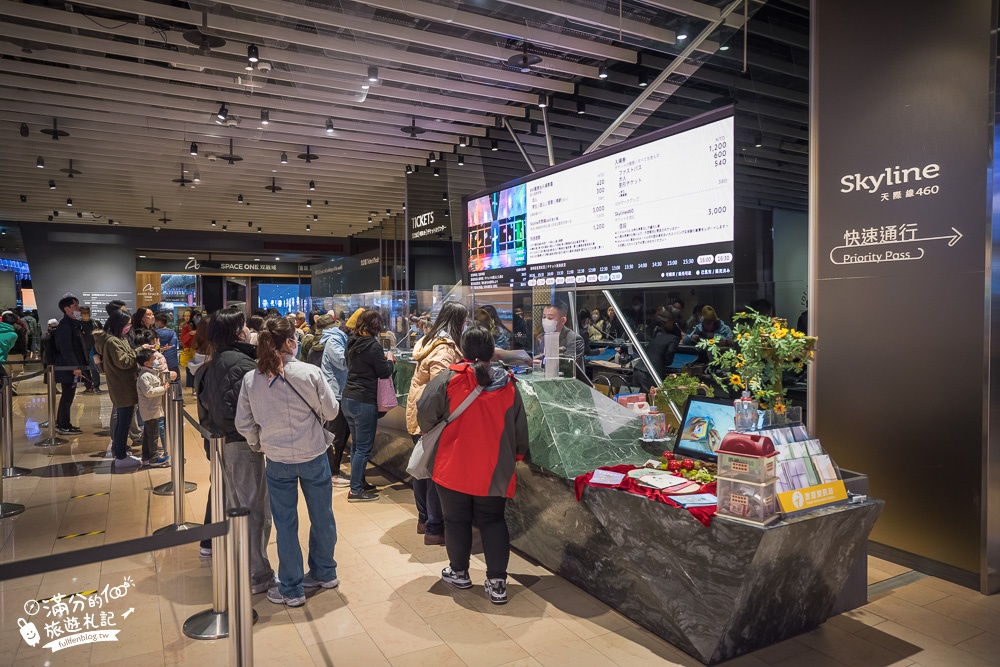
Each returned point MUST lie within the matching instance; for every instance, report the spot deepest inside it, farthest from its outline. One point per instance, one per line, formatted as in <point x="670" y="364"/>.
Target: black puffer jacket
<point x="366" y="363"/>
<point x="218" y="384"/>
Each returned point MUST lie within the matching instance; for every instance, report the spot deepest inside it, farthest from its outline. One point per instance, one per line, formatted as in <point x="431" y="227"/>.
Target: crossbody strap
<point x="311" y="409"/>
<point x="464" y="404"/>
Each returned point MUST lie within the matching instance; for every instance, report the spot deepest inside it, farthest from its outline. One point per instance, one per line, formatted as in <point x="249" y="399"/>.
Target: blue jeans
<point x="283" y="480"/>
<point x="362" y="419"/>
<point x="119" y="437"/>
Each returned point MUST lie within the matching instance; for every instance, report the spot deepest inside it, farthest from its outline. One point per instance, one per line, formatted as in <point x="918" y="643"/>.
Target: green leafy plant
<point x="764" y="348"/>
<point x="676" y="389"/>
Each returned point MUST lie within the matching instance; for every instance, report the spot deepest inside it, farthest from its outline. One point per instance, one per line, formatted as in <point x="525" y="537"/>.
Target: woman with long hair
<point x="502" y="336"/>
<point x="121" y="371"/>
<point x="367" y="363"/>
<point x="142" y="319"/>
<point x="434" y="354"/>
<point x="282" y="407"/>
<point x="217" y="385"/>
<point x="476" y="453"/>
<point x="188" y="331"/>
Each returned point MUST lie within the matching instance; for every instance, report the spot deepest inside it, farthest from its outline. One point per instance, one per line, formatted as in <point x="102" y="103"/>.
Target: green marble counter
<point x="572" y="429"/>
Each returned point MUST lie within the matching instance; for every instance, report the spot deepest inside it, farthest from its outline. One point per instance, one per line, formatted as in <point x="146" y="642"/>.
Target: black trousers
<point x="340" y="431"/>
<point x="65" y="404"/>
<point x="460" y="510"/>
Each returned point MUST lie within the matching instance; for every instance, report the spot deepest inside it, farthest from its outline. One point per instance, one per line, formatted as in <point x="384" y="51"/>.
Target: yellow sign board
<point x="812" y="496"/>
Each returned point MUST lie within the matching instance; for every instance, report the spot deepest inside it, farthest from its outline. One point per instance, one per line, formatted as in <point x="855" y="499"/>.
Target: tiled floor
<point x="390" y="609"/>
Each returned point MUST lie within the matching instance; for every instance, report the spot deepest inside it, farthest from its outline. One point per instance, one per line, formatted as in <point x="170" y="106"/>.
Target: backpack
<point x="49" y="351"/>
<point x="315" y="354"/>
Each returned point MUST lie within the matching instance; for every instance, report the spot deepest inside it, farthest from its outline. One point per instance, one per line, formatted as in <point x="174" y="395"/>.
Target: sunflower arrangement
<point x="764" y="349"/>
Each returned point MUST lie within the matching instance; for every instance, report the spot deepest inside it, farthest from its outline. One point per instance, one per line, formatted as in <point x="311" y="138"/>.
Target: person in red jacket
<point x="474" y="464"/>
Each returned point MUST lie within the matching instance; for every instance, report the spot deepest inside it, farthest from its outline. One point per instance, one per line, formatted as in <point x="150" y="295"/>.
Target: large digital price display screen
<point x="653" y="209"/>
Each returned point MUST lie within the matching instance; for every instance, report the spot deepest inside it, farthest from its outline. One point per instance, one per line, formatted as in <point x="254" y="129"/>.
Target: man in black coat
<point x="69" y="352"/>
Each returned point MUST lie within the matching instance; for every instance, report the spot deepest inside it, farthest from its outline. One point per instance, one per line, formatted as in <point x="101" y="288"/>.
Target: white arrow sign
<point x="873" y="256"/>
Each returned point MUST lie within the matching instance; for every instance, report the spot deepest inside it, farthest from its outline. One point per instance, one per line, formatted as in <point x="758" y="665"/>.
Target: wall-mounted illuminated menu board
<point x="657" y="208"/>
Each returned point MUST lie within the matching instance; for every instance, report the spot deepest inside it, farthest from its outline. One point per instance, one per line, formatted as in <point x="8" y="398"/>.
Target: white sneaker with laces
<point x="274" y="595"/>
<point x="128" y="463"/>
<point x="309" y="582"/>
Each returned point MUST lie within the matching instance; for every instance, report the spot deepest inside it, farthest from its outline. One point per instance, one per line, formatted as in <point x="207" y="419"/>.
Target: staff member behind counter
<point x="571" y="345"/>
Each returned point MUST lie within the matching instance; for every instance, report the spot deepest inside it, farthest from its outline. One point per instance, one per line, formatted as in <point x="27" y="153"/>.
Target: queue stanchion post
<point x="8" y="509"/>
<point x="50" y="405"/>
<point x="176" y="406"/>
<point x="214" y="623"/>
<point x="7" y="428"/>
<point x="241" y="611"/>
<point x="174" y="427"/>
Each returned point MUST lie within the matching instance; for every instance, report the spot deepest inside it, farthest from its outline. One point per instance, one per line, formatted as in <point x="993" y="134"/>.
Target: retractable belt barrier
<point x="233" y="531"/>
<point x="175" y="425"/>
<point x="7" y="430"/>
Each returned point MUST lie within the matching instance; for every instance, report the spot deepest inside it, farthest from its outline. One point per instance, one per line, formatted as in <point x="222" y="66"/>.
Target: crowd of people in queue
<point x="286" y="393"/>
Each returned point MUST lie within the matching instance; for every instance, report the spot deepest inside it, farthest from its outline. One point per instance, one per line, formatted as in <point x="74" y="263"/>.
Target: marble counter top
<point x="572" y="429"/>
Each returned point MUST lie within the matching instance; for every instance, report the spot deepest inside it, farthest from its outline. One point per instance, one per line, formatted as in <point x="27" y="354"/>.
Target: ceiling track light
<point x="409" y="169"/>
<point x="543" y="100"/>
<point x="197" y="176"/>
<point x="312" y="185"/>
<point x="260" y="229"/>
<point x="223" y="112"/>
<point x="284" y="157"/>
<point x="24" y="129"/>
<point x="315" y="218"/>
<point x="194" y="148"/>
<point x="329" y="126"/>
<point x="250" y="224"/>
<point x="69" y="202"/>
<point x="265" y="116"/>
<point x="239" y="199"/>
<point x="724" y="47"/>
<point x="643" y="80"/>
<point x="461" y="160"/>
<point x="431" y="157"/>
<point x="40" y="163"/>
<point x="494" y="145"/>
<point x="213" y="223"/>
<point x="498" y="123"/>
<point x="437" y="171"/>
<point x="388" y="211"/>
<point x="372" y="74"/>
<point x="309" y="203"/>
<point x="758" y="141"/>
<point x="308" y="228"/>
<point x="252" y="53"/>
<point x="602" y="72"/>
<point x="444" y="196"/>
<point x="52" y="185"/>
<point x="463" y="141"/>
<point x="225" y="228"/>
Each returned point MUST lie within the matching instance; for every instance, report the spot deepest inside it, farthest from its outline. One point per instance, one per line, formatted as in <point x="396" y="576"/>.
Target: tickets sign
<point x="812" y="497"/>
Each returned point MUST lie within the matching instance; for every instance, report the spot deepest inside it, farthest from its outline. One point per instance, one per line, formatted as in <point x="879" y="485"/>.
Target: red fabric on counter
<point x="702" y="514"/>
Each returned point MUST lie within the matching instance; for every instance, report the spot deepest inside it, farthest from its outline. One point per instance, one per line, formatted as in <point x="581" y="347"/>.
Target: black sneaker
<point x="65" y="431"/>
<point x="458" y="579"/>
<point x="370" y="487"/>
<point x="362" y="497"/>
<point x="75" y="429"/>
<point x="496" y="589"/>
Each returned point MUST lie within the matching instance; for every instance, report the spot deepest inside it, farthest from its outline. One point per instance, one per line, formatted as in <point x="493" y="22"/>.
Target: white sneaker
<point x="128" y="463"/>
<point x="341" y="482"/>
<point x="206" y="552"/>
<point x="274" y="595"/>
<point x="309" y="582"/>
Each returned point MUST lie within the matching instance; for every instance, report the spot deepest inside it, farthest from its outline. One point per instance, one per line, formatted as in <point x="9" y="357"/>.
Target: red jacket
<point x="476" y="452"/>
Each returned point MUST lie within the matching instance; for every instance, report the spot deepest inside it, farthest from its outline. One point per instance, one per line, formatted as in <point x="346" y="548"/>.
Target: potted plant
<point x="764" y="348"/>
<point x="675" y="390"/>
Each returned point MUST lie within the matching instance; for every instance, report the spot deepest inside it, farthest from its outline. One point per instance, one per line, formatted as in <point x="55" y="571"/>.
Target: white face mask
<point x="77" y="315"/>
<point x="549" y="326"/>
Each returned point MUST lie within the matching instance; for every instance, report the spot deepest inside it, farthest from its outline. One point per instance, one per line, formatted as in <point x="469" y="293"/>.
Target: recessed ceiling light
<point x="277" y="259"/>
<point x="40" y="163"/>
<point x="256" y="259"/>
<point x="365" y="86"/>
<point x="252" y="53"/>
<point x="724" y="47"/>
<point x="142" y="257"/>
<point x="190" y="257"/>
